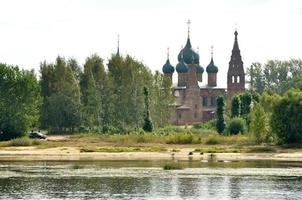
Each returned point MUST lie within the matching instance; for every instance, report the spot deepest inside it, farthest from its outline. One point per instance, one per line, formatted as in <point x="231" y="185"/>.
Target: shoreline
<point x="73" y="154"/>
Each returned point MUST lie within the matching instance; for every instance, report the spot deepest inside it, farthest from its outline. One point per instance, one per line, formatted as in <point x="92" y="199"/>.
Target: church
<point x="195" y="98"/>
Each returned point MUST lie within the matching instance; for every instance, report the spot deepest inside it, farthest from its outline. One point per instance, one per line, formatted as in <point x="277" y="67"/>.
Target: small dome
<point x="189" y="55"/>
<point x="181" y="67"/>
<point x="199" y="69"/>
<point x="168" y="68"/>
<point x="211" y="68"/>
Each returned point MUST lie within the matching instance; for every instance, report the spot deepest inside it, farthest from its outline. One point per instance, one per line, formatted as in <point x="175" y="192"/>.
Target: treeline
<point x="92" y="98"/>
<point x="97" y="99"/>
<point x="271" y="111"/>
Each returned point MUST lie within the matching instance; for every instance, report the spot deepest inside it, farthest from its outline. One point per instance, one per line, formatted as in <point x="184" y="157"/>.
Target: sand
<point x="74" y="154"/>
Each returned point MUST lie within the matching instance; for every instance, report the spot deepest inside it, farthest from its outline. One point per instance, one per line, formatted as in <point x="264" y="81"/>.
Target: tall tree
<point x="148" y="125"/>
<point x="235" y="107"/>
<point x="220" y="124"/>
<point x="93" y="85"/>
<point x="19" y="101"/>
<point x="61" y="93"/>
<point x="258" y="125"/>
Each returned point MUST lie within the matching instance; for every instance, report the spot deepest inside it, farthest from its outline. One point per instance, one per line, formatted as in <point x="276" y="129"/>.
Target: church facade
<point x="195" y="98"/>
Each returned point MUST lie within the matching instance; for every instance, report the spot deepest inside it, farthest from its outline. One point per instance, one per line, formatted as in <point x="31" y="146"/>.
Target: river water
<point x="138" y="180"/>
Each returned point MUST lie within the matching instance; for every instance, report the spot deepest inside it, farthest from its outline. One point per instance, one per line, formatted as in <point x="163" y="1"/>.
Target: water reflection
<point x="49" y="180"/>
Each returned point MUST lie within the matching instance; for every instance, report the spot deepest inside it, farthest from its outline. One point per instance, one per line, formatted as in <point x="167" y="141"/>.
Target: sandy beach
<point x="74" y="154"/>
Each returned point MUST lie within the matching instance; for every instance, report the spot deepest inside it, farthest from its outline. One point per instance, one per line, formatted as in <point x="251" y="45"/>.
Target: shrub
<point x="236" y="125"/>
<point x="286" y="117"/>
<point x="183" y="138"/>
<point x="23" y="141"/>
<point x="213" y="139"/>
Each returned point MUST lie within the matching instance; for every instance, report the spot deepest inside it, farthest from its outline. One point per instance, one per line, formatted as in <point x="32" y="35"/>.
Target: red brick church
<point x="196" y="98"/>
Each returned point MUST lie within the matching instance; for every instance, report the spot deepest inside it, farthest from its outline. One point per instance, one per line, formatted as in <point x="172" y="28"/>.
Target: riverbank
<point x="92" y="148"/>
<point x="184" y="153"/>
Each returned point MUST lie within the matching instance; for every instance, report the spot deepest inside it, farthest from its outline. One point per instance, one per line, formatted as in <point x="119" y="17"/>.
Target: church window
<point x="205" y="101"/>
<point x="238" y="79"/>
<point x="233" y="79"/>
<point x="213" y="101"/>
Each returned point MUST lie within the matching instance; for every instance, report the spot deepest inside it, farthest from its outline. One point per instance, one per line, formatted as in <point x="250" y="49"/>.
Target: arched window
<point x="238" y="79"/>
<point x="233" y="79"/>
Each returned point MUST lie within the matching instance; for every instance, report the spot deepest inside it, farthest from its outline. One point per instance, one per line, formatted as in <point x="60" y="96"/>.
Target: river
<point x="140" y="180"/>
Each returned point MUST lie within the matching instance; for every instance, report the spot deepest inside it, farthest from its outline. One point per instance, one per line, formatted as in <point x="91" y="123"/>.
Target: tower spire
<point x="212" y="47"/>
<point x="189" y="23"/>
<point x="118" y="45"/>
<point x="168" y="49"/>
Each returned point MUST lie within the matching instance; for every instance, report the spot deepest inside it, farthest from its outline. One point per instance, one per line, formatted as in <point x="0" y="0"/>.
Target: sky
<point x="32" y="31"/>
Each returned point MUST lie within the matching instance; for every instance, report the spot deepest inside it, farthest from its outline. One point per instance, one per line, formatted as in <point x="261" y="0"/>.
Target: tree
<point x="246" y="100"/>
<point x="148" y="126"/>
<point x="220" y="124"/>
<point x="258" y="124"/>
<point x="235" y="108"/>
<point x="236" y="125"/>
<point x="93" y="83"/>
<point x="257" y="81"/>
<point x="61" y="109"/>
<point x="275" y="76"/>
<point x="19" y="101"/>
<point x="286" y="117"/>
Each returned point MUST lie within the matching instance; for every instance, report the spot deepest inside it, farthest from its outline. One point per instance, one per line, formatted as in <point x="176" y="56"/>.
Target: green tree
<point x="93" y="83"/>
<point x="220" y="124"/>
<point x="148" y="126"/>
<point x="61" y="109"/>
<point x="235" y="107"/>
<point x="19" y="101"/>
<point x="286" y="117"/>
<point x="258" y="125"/>
<point x="236" y="125"/>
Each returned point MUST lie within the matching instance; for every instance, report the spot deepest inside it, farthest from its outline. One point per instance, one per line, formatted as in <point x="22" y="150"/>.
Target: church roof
<point x="181" y="67"/>
<point x="211" y="68"/>
<point x="189" y="55"/>
<point x="168" y="68"/>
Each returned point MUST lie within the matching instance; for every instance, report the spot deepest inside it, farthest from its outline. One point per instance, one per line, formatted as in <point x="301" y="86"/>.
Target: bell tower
<point x="236" y="76"/>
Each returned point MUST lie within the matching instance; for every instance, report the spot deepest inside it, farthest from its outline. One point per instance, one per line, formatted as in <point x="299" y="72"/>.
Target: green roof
<point x="181" y="67"/>
<point x="211" y="68"/>
<point x="168" y="68"/>
<point x="189" y="55"/>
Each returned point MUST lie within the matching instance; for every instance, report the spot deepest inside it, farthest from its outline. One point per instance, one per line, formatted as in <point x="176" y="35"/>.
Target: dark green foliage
<point x="286" y="117"/>
<point x="61" y="109"/>
<point x="19" y="101"/>
<point x="235" y="107"/>
<point x="236" y="125"/>
<point x="246" y="100"/>
<point x="148" y="126"/>
<point x="220" y="124"/>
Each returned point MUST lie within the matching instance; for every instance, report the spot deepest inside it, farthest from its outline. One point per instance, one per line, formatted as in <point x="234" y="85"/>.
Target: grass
<point x="237" y="149"/>
<point x="23" y="141"/>
<point x="122" y="149"/>
<point x="172" y="166"/>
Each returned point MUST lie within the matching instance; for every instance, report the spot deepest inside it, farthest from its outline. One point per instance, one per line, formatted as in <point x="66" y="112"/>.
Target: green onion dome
<point x="168" y="68"/>
<point x="181" y="67"/>
<point x="188" y="53"/>
<point x="211" y="68"/>
<point x="199" y="69"/>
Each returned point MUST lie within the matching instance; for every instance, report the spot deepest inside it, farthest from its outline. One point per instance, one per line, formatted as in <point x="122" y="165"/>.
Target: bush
<point x="213" y="139"/>
<point x="236" y="125"/>
<point x="286" y="117"/>
<point x="23" y="141"/>
<point x="183" y="138"/>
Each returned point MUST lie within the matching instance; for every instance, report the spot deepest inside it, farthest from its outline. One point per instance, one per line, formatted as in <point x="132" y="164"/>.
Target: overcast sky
<point x="35" y="30"/>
